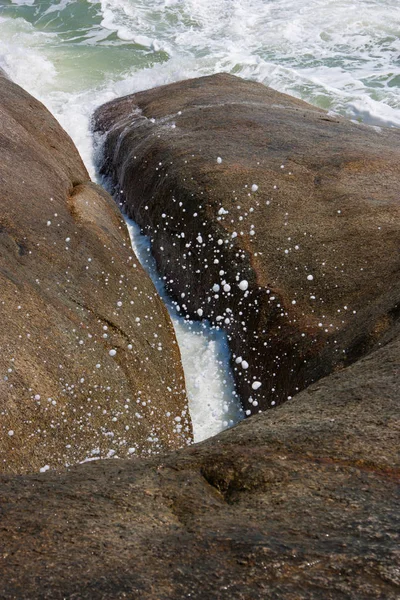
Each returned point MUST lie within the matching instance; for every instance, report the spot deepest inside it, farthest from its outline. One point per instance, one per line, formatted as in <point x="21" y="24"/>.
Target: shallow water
<point x="74" y="55"/>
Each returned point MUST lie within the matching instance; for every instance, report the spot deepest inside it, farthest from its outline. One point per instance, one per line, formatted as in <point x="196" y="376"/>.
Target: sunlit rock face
<point x="89" y="365"/>
<point x="277" y="221"/>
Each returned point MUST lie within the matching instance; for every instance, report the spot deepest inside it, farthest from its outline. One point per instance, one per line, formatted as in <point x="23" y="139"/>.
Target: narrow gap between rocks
<point x="213" y="402"/>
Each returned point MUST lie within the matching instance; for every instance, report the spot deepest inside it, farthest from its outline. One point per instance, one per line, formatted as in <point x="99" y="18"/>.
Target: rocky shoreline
<point x="298" y="502"/>
<point x="82" y="374"/>
<point x="269" y="217"/>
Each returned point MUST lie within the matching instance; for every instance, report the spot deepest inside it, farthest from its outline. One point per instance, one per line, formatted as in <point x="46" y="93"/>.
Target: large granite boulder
<point x="299" y="503"/>
<point x="89" y="364"/>
<point x="272" y="218"/>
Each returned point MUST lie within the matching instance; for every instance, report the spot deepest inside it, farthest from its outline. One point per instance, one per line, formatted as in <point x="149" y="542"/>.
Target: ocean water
<point x="73" y="55"/>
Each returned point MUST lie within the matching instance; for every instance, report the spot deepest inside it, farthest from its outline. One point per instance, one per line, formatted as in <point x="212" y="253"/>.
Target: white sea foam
<point x="343" y="56"/>
<point x="23" y="2"/>
<point x="205" y="357"/>
<point x="56" y="7"/>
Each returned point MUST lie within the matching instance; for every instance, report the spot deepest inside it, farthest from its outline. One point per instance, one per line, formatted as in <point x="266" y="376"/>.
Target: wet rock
<point x="278" y="221"/>
<point x="81" y="327"/>
<point x="297" y="503"/>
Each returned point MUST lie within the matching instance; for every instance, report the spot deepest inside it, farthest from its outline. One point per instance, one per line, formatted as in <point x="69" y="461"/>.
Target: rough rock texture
<point x="297" y="503"/>
<point x="71" y="290"/>
<point x="317" y="241"/>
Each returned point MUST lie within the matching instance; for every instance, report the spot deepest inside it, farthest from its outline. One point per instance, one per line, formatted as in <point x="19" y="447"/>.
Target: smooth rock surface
<point x="279" y="221"/>
<point x="297" y="503"/>
<point x="89" y="364"/>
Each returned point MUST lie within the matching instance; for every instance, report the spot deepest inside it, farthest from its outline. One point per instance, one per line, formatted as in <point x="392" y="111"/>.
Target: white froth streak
<point x="213" y="403"/>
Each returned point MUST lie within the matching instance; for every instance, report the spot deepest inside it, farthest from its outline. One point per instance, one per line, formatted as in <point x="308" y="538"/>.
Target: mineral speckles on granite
<point x="300" y="502"/>
<point x="89" y="358"/>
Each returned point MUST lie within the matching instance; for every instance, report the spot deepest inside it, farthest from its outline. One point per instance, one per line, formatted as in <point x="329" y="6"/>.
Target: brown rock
<point x="68" y="277"/>
<point x="318" y="240"/>
<point x="299" y="503"/>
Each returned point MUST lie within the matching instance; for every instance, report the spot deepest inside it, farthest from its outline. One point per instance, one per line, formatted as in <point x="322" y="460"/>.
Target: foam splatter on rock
<point x="74" y="365"/>
<point x="269" y="217"/>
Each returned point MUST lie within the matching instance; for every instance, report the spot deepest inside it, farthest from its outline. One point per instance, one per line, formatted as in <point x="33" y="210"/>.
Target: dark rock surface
<point x="297" y="503"/>
<point x="71" y="291"/>
<point x="318" y="240"/>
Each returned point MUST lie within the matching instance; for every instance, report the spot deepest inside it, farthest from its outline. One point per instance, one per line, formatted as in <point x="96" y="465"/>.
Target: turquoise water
<point x="342" y="55"/>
